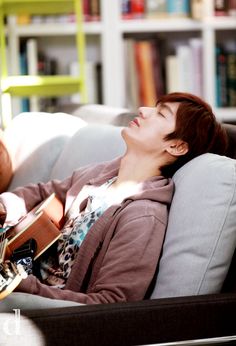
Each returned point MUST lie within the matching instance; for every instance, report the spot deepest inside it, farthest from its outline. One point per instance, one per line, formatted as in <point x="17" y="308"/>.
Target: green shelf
<point x="25" y="86"/>
<point x="37" y="7"/>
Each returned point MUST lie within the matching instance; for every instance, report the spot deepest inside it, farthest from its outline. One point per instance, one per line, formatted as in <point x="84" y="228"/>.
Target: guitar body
<point x="43" y="224"/>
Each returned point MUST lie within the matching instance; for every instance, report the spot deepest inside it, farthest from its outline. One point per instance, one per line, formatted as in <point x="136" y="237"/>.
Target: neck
<point x="136" y="168"/>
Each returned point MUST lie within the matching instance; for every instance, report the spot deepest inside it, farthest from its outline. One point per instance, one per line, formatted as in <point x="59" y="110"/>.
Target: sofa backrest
<point x="35" y="140"/>
<point x="46" y="146"/>
<point x="91" y="144"/>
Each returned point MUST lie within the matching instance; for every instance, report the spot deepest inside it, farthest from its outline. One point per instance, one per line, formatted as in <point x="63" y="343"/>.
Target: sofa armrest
<point x="139" y="323"/>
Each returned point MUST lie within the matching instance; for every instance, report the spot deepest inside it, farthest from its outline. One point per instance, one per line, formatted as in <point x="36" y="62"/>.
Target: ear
<point x="177" y="147"/>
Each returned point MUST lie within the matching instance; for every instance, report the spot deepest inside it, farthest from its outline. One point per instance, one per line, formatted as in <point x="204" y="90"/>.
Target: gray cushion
<point x="35" y="141"/>
<point x="26" y="301"/>
<point x="91" y="144"/>
<point x="201" y="232"/>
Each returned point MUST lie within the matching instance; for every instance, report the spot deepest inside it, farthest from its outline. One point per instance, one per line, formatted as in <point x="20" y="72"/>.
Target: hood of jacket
<point x="156" y="188"/>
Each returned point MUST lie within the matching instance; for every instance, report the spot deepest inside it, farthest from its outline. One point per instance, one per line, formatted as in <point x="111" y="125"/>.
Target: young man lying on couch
<point x="116" y="212"/>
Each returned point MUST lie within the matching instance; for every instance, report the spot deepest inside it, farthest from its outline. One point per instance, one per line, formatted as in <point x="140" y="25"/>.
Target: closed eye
<point x="161" y="114"/>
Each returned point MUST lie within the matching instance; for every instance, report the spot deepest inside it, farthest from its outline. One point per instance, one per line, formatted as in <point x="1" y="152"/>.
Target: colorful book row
<point x="225" y="77"/>
<point x="133" y="9"/>
<point x="150" y="72"/>
<point x="91" y="12"/>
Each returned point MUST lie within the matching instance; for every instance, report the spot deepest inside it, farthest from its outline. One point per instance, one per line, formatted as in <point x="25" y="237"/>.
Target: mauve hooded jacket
<point x="119" y="255"/>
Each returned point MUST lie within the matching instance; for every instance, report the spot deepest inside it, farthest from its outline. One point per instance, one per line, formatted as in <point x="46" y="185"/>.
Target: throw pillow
<point x="201" y="233"/>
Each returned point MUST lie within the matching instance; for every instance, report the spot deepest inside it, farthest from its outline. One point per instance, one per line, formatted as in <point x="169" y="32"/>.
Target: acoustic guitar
<point x="43" y="224"/>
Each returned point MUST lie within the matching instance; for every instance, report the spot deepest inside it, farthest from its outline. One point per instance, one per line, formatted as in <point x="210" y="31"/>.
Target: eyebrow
<point x="165" y="106"/>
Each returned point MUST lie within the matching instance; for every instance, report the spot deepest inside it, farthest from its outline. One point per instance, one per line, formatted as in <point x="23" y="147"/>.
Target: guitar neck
<point x="3" y="249"/>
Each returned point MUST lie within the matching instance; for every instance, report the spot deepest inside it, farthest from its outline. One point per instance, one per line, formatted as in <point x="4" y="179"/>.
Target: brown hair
<point x="197" y="125"/>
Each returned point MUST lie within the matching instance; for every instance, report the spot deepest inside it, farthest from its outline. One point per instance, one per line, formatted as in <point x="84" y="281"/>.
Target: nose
<point x="143" y="112"/>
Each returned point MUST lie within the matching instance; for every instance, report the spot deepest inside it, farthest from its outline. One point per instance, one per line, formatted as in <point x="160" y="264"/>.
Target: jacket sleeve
<point x="127" y="268"/>
<point x="23" y="199"/>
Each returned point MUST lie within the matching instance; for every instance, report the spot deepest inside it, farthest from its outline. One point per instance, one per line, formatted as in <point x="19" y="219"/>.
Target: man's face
<point x="147" y="131"/>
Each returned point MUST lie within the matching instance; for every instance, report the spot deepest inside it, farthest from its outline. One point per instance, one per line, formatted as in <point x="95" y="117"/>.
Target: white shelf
<point x="220" y="23"/>
<point x="56" y="29"/>
<point x="159" y="25"/>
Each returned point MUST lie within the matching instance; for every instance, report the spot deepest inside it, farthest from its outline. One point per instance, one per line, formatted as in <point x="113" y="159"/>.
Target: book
<point x="231" y="78"/>
<point x="178" y="8"/>
<point x="221" y="77"/>
<point x="156" y="8"/>
<point x="23" y="19"/>
<point x="90" y="79"/>
<point x="94" y="10"/>
<point x="185" y="67"/>
<point x="137" y="8"/>
<point x="232" y="8"/>
<point x="196" y="46"/>
<point x="157" y="48"/>
<point x="32" y="63"/>
<point x="126" y="9"/>
<point x="86" y="10"/>
<point x="172" y="73"/>
<point x="131" y="81"/>
<point x="144" y="61"/>
<point x="221" y="7"/>
<point x="197" y="9"/>
<point x="24" y="71"/>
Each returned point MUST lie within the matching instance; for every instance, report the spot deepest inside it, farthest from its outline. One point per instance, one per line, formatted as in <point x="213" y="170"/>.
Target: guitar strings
<point x="2" y="240"/>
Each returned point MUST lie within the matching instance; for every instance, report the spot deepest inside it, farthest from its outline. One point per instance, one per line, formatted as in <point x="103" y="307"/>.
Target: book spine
<point x="232" y="8"/>
<point x="178" y="8"/>
<point x="172" y="75"/>
<point x="91" y="81"/>
<point x="221" y="7"/>
<point x="86" y="10"/>
<point x="155" y="8"/>
<point x="231" y="78"/>
<point x="196" y="47"/>
<point x="23" y="19"/>
<point x="32" y="62"/>
<point x="126" y="9"/>
<point x="131" y="81"/>
<point x="197" y="9"/>
<point x="24" y="71"/>
<point x="95" y="14"/>
<point x="221" y="78"/>
<point x="157" y="68"/>
<point x="184" y="67"/>
<point x="137" y="8"/>
<point x="145" y="73"/>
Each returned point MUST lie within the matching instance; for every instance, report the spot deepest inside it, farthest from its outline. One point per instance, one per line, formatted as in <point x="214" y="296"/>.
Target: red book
<point x="232" y="8"/>
<point x="137" y="8"/>
<point x="86" y="10"/>
<point x="221" y="7"/>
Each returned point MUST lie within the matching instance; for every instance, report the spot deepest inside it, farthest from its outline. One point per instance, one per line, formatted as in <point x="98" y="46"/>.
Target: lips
<point x="135" y="121"/>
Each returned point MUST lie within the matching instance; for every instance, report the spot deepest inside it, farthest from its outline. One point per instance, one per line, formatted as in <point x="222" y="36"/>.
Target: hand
<point x="3" y="214"/>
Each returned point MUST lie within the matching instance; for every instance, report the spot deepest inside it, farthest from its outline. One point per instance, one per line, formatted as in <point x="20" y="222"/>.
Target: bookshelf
<point x="29" y="84"/>
<point x="105" y="43"/>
